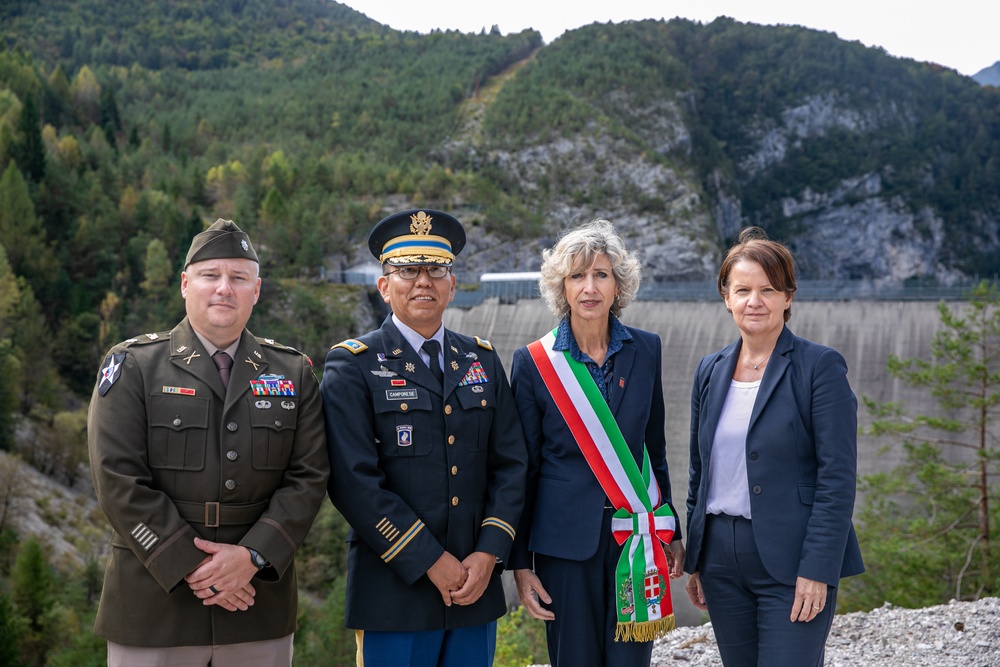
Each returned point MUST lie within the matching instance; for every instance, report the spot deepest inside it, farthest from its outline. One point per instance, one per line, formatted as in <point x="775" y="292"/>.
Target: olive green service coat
<point x="417" y="471"/>
<point x="175" y="456"/>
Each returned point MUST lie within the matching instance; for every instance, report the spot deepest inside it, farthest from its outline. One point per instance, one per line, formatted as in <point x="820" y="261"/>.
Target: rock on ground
<point x="958" y="634"/>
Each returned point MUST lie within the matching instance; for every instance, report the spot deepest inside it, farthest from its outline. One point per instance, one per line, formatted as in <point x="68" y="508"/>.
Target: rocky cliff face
<point x="655" y="200"/>
<point x="647" y="186"/>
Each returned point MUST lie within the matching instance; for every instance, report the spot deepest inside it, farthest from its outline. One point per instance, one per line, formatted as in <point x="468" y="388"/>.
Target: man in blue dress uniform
<point x="428" y="462"/>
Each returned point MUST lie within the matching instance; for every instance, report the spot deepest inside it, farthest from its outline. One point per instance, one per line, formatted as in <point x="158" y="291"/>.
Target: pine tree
<point x="10" y="637"/>
<point x="928" y="523"/>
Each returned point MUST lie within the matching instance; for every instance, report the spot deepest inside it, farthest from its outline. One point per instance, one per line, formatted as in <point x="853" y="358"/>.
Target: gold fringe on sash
<point x="644" y="632"/>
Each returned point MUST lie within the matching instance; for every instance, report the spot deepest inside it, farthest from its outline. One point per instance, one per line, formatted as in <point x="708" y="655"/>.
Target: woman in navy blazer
<point x="773" y="472"/>
<point x="564" y="555"/>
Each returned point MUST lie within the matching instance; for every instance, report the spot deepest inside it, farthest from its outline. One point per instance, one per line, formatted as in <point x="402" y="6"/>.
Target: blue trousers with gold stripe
<point x="462" y="647"/>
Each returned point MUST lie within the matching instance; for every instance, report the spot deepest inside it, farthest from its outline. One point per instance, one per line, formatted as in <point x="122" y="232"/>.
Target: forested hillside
<point x="127" y="127"/>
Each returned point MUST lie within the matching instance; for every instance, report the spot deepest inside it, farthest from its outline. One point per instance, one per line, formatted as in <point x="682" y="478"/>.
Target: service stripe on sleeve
<point x="399" y="546"/>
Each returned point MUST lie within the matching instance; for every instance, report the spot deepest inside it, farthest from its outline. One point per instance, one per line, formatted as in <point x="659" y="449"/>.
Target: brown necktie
<point x="225" y="364"/>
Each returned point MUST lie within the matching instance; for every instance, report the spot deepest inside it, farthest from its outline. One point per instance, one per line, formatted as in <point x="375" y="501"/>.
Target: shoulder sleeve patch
<point x="485" y="344"/>
<point x="352" y="344"/>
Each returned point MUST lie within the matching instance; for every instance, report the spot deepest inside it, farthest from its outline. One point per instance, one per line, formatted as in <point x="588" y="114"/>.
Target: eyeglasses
<point x="411" y="272"/>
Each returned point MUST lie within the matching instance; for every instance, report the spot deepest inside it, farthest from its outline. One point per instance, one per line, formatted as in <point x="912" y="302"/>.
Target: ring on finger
<point x="815" y="607"/>
<point x="214" y="590"/>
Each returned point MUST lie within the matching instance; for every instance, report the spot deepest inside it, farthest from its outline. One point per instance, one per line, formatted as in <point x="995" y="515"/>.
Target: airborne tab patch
<point x="485" y="344"/>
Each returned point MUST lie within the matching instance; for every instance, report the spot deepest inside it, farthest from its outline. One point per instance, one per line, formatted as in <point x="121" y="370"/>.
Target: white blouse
<point x="728" y="490"/>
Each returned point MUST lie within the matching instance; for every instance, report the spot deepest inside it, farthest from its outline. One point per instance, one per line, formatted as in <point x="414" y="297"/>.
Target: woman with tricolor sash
<point x="597" y="544"/>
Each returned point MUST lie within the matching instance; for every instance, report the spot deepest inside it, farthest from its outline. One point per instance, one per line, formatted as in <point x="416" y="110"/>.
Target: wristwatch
<point x="259" y="561"/>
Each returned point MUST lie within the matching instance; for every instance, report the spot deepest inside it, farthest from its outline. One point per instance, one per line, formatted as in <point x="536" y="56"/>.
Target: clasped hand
<point x="228" y="570"/>
<point x="462" y="582"/>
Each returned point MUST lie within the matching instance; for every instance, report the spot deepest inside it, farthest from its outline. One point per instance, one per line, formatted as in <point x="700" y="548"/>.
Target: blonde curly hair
<point x="576" y="251"/>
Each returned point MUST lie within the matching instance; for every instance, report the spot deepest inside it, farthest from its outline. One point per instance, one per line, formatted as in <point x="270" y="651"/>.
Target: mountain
<point x="126" y="128"/>
<point x="988" y="76"/>
<point x="870" y="167"/>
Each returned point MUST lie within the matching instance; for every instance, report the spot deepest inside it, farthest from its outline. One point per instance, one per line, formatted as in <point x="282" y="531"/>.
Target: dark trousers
<point x="583" y="600"/>
<point x="749" y="609"/>
<point x="473" y="646"/>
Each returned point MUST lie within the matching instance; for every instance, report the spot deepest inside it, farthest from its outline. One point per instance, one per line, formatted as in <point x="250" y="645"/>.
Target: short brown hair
<point x="752" y="245"/>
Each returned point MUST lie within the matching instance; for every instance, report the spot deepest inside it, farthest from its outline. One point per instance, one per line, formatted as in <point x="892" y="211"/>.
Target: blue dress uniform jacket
<point x="564" y="506"/>
<point x="175" y="456"/>
<point x="801" y="453"/>
<point x="417" y="472"/>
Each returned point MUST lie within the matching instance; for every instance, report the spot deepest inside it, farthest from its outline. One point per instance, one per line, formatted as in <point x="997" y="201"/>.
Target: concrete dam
<point x="865" y="332"/>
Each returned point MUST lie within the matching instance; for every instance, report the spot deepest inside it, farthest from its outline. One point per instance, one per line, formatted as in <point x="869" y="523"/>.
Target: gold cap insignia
<point x="420" y="223"/>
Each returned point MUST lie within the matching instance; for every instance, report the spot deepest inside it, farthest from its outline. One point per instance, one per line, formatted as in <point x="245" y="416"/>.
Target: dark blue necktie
<point x="433" y="350"/>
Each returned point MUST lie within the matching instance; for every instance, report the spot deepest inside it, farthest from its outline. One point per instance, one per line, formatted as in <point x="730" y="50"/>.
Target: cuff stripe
<point x="399" y="546"/>
<point x="499" y="523"/>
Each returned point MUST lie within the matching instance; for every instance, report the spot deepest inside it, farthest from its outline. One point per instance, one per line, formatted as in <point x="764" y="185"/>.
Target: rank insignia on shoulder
<point x="485" y="344"/>
<point x="110" y="372"/>
<point x="352" y="344"/>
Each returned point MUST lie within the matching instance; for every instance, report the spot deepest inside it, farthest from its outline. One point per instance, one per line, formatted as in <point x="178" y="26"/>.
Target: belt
<point x="214" y="515"/>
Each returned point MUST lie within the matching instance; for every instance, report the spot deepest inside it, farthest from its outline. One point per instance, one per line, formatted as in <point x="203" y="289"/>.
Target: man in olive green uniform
<point x="210" y="470"/>
<point x="428" y="462"/>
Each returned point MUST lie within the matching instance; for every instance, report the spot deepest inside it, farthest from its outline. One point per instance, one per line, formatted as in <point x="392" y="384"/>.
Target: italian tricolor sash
<point x="640" y="521"/>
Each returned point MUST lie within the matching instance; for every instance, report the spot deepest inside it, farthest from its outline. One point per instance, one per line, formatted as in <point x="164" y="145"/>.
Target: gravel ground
<point x="959" y="634"/>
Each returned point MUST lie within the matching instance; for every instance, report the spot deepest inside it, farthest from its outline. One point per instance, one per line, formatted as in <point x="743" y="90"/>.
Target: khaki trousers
<point x="269" y="653"/>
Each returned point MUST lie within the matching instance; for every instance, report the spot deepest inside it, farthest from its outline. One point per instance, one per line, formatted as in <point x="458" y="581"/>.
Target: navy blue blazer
<point x="564" y="502"/>
<point x="801" y="454"/>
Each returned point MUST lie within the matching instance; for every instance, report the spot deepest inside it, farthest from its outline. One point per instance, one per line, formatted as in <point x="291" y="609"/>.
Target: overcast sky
<point x="960" y="34"/>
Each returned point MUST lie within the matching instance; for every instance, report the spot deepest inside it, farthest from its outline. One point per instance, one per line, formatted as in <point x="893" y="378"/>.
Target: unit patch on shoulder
<point x="110" y="372"/>
<point x="352" y="344"/>
<point x="485" y="344"/>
